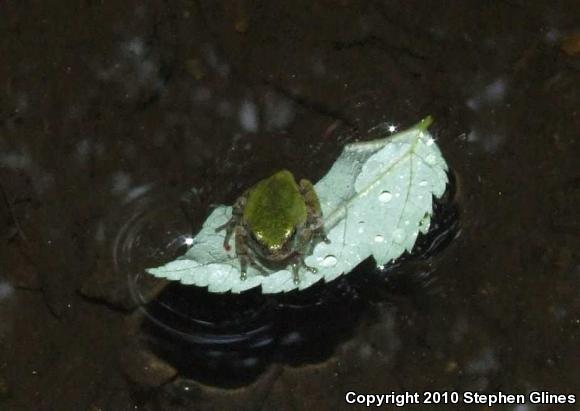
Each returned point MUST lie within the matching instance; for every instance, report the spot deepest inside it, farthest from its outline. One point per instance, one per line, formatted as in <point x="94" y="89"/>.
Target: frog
<point x="276" y="223"/>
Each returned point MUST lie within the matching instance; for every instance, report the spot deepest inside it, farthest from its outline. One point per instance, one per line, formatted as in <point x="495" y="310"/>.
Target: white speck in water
<point x="279" y="112"/>
<point x="329" y="261"/>
<point x="423" y="183"/>
<point x="398" y="235"/>
<point x="14" y="160"/>
<point x="392" y="128"/>
<point x="248" y="117"/>
<point x="83" y="149"/>
<point x="250" y="362"/>
<point x="379" y="238"/>
<point x="188" y="241"/>
<point x="553" y="35"/>
<point x="429" y="142"/>
<point x="136" y="47"/>
<point x="495" y="91"/>
<point x="407" y="222"/>
<point x="137" y="191"/>
<point x="292" y="338"/>
<point x="6" y="290"/>
<point x="121" y="182"/>
<point x="385" y="196"/>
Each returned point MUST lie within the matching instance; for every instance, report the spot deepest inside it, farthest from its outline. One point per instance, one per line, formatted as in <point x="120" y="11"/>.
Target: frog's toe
<point x="309" y="268"/>
<point x="296" y="270"/>
<point x="296" y="274"/>
<point x="295" y="277"/>
<point x="302" y="263"/>
<point x="243" y="268"/>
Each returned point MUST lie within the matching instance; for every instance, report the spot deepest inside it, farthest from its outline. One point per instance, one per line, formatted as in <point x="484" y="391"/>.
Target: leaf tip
<point x="425" y="123"/>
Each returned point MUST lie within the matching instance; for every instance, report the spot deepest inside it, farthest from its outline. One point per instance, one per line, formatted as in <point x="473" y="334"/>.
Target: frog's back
<point x="274" y="208"/>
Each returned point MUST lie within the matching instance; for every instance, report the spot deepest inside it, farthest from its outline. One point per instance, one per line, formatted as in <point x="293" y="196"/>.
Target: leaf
<point x="376" y="199"/>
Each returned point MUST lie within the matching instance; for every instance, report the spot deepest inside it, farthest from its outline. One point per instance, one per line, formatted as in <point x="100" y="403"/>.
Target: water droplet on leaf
<point x="329" y="261"/>
<point x="385" y="196"/>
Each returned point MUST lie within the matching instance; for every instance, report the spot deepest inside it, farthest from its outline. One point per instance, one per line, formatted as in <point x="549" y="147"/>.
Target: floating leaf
<point x="376" y="199"/>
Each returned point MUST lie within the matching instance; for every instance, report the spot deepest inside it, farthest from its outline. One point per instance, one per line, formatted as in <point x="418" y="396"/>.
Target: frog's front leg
<point x="234" y="221"/>
<point x="244" y="253"/>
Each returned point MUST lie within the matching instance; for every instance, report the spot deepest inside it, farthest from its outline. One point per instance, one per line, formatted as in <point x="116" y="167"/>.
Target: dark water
<point x="110" y="111"/>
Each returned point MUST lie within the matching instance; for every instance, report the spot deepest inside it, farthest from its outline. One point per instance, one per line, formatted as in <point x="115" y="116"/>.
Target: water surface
<point x="109" y="112"/>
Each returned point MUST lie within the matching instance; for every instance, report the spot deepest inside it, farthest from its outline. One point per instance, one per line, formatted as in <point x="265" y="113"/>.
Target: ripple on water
<point x="222" y="339"/>
<point x="230" y="339"/>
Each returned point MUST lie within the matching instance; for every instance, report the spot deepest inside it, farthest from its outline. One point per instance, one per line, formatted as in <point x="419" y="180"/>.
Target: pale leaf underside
<point x="376" y="199"/>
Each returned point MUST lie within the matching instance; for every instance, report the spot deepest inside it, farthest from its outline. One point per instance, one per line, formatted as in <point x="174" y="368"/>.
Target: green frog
<point x="276" y="223"/>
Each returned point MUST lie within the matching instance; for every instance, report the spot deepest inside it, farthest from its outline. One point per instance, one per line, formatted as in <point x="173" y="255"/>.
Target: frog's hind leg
<point x="244" y="254"/>
<point x="314" y="221"/>
<point x="298" y="263"/>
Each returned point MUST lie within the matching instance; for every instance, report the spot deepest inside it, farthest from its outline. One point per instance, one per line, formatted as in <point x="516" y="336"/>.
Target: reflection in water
<point x="230" y="339"/>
